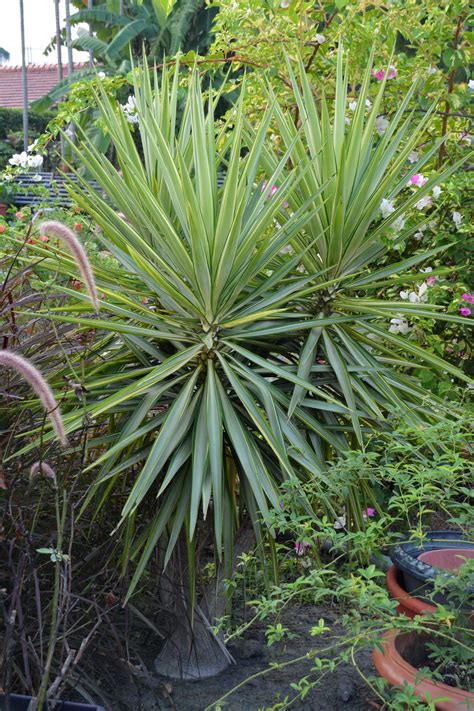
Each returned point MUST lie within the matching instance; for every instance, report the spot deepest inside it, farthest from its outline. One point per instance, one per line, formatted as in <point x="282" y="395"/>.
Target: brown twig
<point x="444" y="124"/>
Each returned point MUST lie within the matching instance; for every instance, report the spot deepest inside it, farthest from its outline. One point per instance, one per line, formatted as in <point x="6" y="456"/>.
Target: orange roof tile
<point x="41" y="79"/>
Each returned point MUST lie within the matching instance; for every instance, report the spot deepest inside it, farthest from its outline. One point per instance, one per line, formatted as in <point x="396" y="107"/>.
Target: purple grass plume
<point x="45" y="469"/>
<point x="34" y="378"/>
<point x="57" y="229"/>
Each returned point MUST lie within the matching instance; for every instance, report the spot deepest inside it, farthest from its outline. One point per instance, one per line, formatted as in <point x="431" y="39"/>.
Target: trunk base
<point x="193" y="652"/>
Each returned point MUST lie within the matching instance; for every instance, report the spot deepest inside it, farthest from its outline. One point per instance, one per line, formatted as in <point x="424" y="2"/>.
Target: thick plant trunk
<point x="194" y="651"/>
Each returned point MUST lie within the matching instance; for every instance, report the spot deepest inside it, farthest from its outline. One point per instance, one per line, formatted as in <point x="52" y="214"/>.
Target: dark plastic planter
<point x="21" y="703"/>
<point x="417" y="574"/>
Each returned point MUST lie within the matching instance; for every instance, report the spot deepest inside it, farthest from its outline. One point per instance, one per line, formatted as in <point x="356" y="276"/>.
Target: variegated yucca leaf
<point x="347" y="171"/>
<point x="227" y="365"/>
<point x="198" y="424"/>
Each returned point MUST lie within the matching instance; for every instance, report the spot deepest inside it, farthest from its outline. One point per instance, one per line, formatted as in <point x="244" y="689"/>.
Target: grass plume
<point x="34" y="378"/>
<point x="63" y="233"/>
<point x="45" y="469"/>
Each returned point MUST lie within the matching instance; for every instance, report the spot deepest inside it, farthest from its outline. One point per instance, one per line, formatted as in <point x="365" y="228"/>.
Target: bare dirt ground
<point x="341" y="690"/>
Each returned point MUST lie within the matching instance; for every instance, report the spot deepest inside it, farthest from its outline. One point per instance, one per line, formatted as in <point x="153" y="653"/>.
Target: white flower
<point x="471" y="84"/>
<point x="347" y="120"/>
<point x="457" y="218"/>
<point x="386" y="208"/>
<point x="426" y="270"/>
<point x="431" y="70"/>
<point x="418" y="236"/>
<point x="423" y="202"/>
<point x="284" y="4"/>
<point x="422" y="291"/>
<point x="381" y="125"/>
<point x="9" y="177"/>
<point x="130" y="110"/>
<point x="19" y="159"/>
<point x="32" y="147"/>
<point x="131" y="104"/>
<point x="436" y="191"/>
<point x="340" y="522"/>
<point x="399" y="325"/>
<point x="412" y="157"/>
<point x="398" y="224"/>
<point x="416" y="297"/>
<point x="353" y="104"/>
<point x="320" y="39"/>
<point x="101" y="75"/>
<point x="35" y="161"/>
<point x="37" y="178"/>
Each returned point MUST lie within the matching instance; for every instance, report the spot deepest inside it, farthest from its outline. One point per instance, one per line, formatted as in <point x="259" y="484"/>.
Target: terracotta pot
<point x="447" y="558"/>
<point x="391" y="663"/>
<point x="408" y="605"/>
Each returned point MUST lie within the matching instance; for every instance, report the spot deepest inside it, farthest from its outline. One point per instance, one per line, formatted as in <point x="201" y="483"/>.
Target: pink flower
<point x="468" y="297"/>
<point x="449" y="349"/>
<point x="380" y="75"/>
<point x="418" y="179"/>
<point x="272" y="192"/>
<point x="370" y="512"/>
<point x="431" y="280"/>
<point x="43" y="238"/>
<point x="301" y="548"/>
<point x="465" y="311"/>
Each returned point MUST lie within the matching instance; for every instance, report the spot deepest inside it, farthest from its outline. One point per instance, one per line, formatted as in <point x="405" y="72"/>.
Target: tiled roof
<point x="41" y="79"/>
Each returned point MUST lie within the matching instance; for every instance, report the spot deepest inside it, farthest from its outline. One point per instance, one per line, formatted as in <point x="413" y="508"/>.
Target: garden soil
<point x="341" y="690"/>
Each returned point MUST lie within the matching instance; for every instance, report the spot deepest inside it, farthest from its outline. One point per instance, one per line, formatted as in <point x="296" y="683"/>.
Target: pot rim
<point x="403" y="597"/>
<point x="403" y="557"/>
<point x="395" y="669"/>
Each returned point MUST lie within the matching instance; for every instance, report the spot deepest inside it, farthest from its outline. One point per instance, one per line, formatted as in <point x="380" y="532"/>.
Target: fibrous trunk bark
<point x="193" y="651"/>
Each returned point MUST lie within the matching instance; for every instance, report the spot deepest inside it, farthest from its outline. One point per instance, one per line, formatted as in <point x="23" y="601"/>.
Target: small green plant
<point x="423" y="476"/>
<point x="451" y="659"/>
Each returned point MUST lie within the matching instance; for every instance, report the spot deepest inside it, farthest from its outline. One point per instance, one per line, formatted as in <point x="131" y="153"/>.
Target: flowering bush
<point x="430" y="41"/>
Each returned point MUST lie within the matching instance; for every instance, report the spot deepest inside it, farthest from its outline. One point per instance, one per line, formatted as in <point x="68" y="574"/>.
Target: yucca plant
<point x="227" y="366"/>
<point x="196" y="408"/>
<point x="347" y="171"/>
